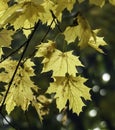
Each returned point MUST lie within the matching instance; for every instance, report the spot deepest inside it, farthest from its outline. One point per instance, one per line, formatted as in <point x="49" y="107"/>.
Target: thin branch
<point x="56" y="21"/>
<point x="13" y="52"/>
<point x="28" y="28"/>
<point x="49" y="28"/>
<point x="9" y="122"/>
<point x="23" y="53"/>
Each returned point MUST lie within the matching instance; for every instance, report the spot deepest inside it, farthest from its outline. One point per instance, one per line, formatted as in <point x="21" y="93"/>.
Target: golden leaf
<point x="98" y="42"/>
<point x="45" y="49"/>
<point x="61" y="63"/>
<point x="20" y="93"/>
<point x="5" y="37"/>
<point x="97" y="2"/>
<point x="22" y="13"/>
<point x="70" y="89"/>
<point x="112" y="2"/>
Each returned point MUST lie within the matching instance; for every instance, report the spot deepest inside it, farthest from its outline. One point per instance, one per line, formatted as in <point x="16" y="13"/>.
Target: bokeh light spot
<point x="93" y="113"/>
<point x="95" y="88"/>
<point x="103" y="92"/>
<point x="97" y="128"/>
<point x="106" y="77"/>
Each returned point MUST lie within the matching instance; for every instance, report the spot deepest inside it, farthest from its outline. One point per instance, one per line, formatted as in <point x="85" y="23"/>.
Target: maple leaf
<point x="62" y="4"/>
<point x="80" y="1"/>
<point x="8" y="65"/>
<point x="23" y="14"/>
<point x="98" y="42"/>
<point x="1" y="52"/>
<point x="46" y="17"/>
<point x="3" y="6"/>
<point x="20" y="93"/>
<point x="5" y="37"/>
<point x="41" y="106"/>
<point x="97" y="2"/>
<point x="82" y="31"/>
<point x="61" y="63"/>
<point x="112" y="2"/>
<point x="45" y="49"/>
<point x="71" y="33"/>
<point x="70" y="89"/>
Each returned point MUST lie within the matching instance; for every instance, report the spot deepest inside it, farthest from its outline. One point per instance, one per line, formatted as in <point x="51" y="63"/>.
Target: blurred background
<point x="98" y="114"/>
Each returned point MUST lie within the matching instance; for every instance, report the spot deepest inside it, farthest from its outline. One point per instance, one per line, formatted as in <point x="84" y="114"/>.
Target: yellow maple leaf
<point x="20" y="93"/>
<point x="71" y="33"/>
<point x="62" y="4"/>
<point x="1" y="52"/>
<point x="97" y="2"/>
<point x="98" y="42"/>
<point x="70" y="89"/>
<point x="112" y="2"/>
<point x="41" y="106"/>
<point x="3" y="6"/>
<point x="22" y="13"/>
<point x="45" y="49"/>
<point x="8" y="65"/>
<point x="80" y="1"/>
<point x="61" y="63"/>
<point x="46" y="17"/>
<point x="5" y="37"/>
<point x="82" y="31"/>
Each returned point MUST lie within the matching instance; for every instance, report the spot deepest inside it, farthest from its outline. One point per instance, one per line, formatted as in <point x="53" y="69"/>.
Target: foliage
<point x="67" y="88"/>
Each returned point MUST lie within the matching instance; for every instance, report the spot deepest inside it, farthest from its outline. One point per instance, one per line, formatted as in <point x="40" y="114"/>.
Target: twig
<point x="13" y="52"/>
<point x="9" y="122"/>
<point x="56" y="21"/>
<point x="28" y="28"/>
<point x="49" y="28"/>
<point x="23" y="53"/>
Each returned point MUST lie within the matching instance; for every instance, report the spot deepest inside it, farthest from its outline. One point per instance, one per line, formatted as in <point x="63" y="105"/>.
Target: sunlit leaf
<point x="70" y="89"/>
<point x="20" y="93"/>
<point x="5" y="38"/>
<point x="61" y="63"/>
<point x="97" y="2"/>
<point x="97" y="43"/>
<point x="112" y="2"/>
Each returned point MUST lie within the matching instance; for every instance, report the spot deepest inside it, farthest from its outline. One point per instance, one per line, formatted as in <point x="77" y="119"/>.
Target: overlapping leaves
<point x="67" y="87"/>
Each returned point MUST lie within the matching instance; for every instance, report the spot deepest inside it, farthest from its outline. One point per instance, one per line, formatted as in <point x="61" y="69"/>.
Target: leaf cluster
<point x="68" y="86"/>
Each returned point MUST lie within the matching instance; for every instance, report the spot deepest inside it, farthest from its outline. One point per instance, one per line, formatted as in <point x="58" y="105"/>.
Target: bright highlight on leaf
<point x="16" y="69"/>
<point x="96" y="44"/>
<point x="82" y="31"/>
<point x="61" y="63"/>
<point x="70" y="89"/>
<point x="20" y="93"/>
<point x="97" y="2"/>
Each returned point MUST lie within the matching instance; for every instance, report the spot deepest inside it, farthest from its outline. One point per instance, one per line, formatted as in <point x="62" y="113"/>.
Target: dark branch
<point x="23" y="53"/>
<point x="9" y="122"/>
<point x="49" y="28"/>
<point x="12" y="53"/>
<point x="56" y="21"/>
